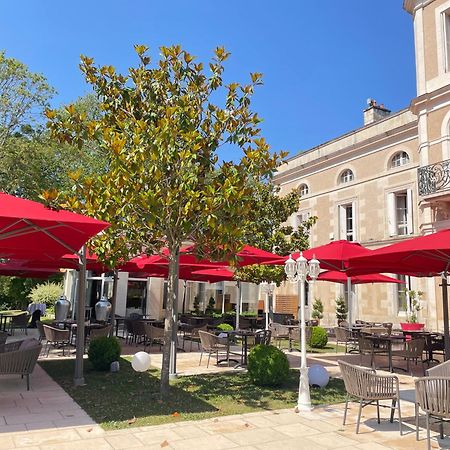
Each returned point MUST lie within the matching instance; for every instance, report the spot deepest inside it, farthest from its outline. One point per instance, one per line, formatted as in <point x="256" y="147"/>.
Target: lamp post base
<point x="304" y="398"/>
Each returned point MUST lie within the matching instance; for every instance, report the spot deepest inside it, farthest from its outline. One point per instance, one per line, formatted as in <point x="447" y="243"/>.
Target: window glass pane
<point x="401" y="297"/>
<point x="349" y="223"/>
<point x="401" y="214"/>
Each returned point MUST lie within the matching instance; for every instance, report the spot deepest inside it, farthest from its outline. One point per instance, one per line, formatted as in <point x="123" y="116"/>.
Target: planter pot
<point x="405" y="326"/>
<point x="102" y="309"/>
<point x="62" y="307"/>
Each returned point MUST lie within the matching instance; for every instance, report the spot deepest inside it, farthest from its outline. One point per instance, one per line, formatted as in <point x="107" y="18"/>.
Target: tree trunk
<point x="114" y="301"/>
<point x="174" y="257"/>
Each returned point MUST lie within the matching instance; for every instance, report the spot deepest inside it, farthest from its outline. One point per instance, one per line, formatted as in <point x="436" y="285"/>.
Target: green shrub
<point x="319" y="338"/>
<point x="224" y="327"/>
<point x="267" y="366"/>
<point x="46" y="293"/>
<point x="103" y="351"/>
<point x="317" y="312"/>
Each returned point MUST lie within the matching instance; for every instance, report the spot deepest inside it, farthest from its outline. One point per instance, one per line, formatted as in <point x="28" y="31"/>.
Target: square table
<point x="387" y="340"/>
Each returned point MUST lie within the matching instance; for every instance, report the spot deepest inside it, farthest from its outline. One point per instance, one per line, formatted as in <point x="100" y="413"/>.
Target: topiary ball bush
<point x="103" y="351"/>
<point x="319" y="337"/>
<point x="267" y="366"/>
<point x="225" y="327"/>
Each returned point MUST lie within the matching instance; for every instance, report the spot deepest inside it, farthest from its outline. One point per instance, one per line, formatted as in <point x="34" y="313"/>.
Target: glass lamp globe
<point x="314" y="268"/>
<point x="290" y="268"/>
<point x="302" y="267"/>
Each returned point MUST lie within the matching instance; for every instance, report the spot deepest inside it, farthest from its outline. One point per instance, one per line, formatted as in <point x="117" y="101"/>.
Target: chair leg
<point x="399" y="417"/>
<point x="28" y="381"/>
<point x="416" y="409"/>
<point x="359" y="416"/>
<point x="391" y="419"/>
<point x="345" y="410"/>
<point x="378" y="411"/>
<point x="428" y="431"/>
<point x="441" y="429"/>
<point x="201" y="355"/>
<point x="209" y="357"/>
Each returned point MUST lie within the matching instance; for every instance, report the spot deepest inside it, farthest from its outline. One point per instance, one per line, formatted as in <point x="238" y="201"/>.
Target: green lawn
<point x="128" y="398"/>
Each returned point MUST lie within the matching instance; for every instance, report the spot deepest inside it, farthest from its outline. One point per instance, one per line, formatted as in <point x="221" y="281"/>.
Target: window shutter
<point x="342" y="222"/>
<point x="355" y="235"/>
<point x="409" y="211"/>
<point x="392" y="217"/>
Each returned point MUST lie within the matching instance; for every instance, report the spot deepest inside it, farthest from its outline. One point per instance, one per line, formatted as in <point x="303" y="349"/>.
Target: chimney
<point x="374" y="112"/>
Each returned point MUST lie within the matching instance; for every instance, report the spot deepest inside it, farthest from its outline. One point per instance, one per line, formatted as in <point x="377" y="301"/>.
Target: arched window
<point x="399" y="159"/>
<point x="347" y="176"/>
<point x="303" y="189"/>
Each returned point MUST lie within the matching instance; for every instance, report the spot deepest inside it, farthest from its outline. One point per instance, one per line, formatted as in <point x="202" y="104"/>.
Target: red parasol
<point x="29" y="228"/>
<point x="341" y="277"/>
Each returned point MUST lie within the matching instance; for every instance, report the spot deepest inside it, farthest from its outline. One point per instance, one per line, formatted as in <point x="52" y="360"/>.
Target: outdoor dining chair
<point x="40" y="328"/>
<point x="295" y="336"/>
<point x="369" y="387"/>
<point x="441" y="370"/>
<point x="153" y="335"/>
<point x="211" y="344"/>
<point x="56" y="337"/>
<point x="138" y="331"/>
<point x="279" y="332"/>
<point x="19" y="322"/>
<point x="346" y="337"/>
<point x="413" y="350"/>
<point x="433" y="398"/>
<point x="3" y="337"/>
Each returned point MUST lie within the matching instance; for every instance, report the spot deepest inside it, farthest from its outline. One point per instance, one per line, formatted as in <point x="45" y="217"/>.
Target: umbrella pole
<point x="78" y="379"/>
<point x="184" y="296"/>
<point x="350" y="302"/>
<point x="238" y="307"/>
<point x="114" y="301"/>
<point x="445" y="314"/>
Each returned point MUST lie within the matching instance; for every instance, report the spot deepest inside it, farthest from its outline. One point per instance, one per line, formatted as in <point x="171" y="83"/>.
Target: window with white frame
<point x="402" y="300"/>
<point x="346" y="176"/>
<point x="347" y="222"/>
<point x="445" y="16"/>
<point x="400" y="219"/>
<point x="303" y="189"/>
<point x="399" y="159"/>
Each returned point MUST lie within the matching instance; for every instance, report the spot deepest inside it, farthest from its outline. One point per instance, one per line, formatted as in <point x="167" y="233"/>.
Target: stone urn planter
<point x="102" y="309"/>
<point x="62" y="306"/>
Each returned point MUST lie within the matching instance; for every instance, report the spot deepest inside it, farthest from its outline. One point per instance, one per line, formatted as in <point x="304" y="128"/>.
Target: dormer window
<point x="399" y="159"/>
<point x="303" y="189"/>
<point x="346" y="176"/>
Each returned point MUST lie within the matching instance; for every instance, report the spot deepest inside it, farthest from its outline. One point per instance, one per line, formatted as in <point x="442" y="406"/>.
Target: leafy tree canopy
<point x="23" y="96"/>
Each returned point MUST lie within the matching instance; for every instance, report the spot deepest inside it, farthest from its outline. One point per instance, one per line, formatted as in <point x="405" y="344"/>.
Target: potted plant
<point x="317" y="311"/>
<point x="412" y="322"/>
<point x="341" y="310"/>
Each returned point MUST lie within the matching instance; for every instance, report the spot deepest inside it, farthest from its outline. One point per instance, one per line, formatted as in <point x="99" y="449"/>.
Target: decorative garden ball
<point x="140" y="362"/>
<point x="318" y="376"/>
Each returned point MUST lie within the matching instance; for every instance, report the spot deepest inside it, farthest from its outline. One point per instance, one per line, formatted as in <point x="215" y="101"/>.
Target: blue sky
<point x="321" y="59"/>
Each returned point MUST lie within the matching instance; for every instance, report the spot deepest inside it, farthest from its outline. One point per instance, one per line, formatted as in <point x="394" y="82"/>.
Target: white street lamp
<point x="298" y="272"/>
<point x="267" y="288"/>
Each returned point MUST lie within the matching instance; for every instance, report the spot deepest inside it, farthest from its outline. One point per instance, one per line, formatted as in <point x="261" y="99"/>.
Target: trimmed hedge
<point x="103" y="351"/>
<point x="319" y="337"/>
<point x="267" y="366"/>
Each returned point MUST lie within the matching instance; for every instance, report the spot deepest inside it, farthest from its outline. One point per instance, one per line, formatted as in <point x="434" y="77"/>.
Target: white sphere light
<point x="318" y="376"/>
<point x="141" y="362"/>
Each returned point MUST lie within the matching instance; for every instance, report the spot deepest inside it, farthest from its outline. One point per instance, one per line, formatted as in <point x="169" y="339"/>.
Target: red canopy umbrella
<point x="424" y="256"/>
<point x="247" y="256"/>
<point x="29" y="228"/>
<point x="341" y="277"/>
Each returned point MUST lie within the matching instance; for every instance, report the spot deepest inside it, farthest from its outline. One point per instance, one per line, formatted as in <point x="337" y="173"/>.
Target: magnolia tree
<point x="164" y="184"/>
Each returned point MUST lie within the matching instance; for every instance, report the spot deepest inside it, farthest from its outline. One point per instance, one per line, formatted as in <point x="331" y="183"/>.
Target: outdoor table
<point x="387" y="339"/>
<point x="244" y="334"/>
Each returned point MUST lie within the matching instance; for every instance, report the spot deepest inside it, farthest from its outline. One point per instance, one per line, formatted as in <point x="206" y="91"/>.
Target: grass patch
<point x="127" y="398"/>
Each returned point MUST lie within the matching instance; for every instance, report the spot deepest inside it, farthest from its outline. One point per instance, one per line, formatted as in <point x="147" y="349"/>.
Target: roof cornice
<point x="412" y="5"/>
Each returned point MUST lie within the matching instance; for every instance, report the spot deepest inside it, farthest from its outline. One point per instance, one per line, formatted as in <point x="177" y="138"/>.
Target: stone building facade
<point x="386" y="181"/>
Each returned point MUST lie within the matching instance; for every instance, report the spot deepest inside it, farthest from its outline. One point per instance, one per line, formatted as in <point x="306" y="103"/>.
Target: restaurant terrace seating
<point x="433" y="398"/>
<point x="346" y="337"/>
<point x="412" y="350"/>
<point x="56" y="337"/>
<point x="369" y="387"/>
<point x="441" y="370"/>
<point x="211" y="344"/>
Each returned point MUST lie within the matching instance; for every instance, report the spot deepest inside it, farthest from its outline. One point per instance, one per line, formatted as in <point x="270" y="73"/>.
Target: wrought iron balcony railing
<point x="434" y="178"/>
